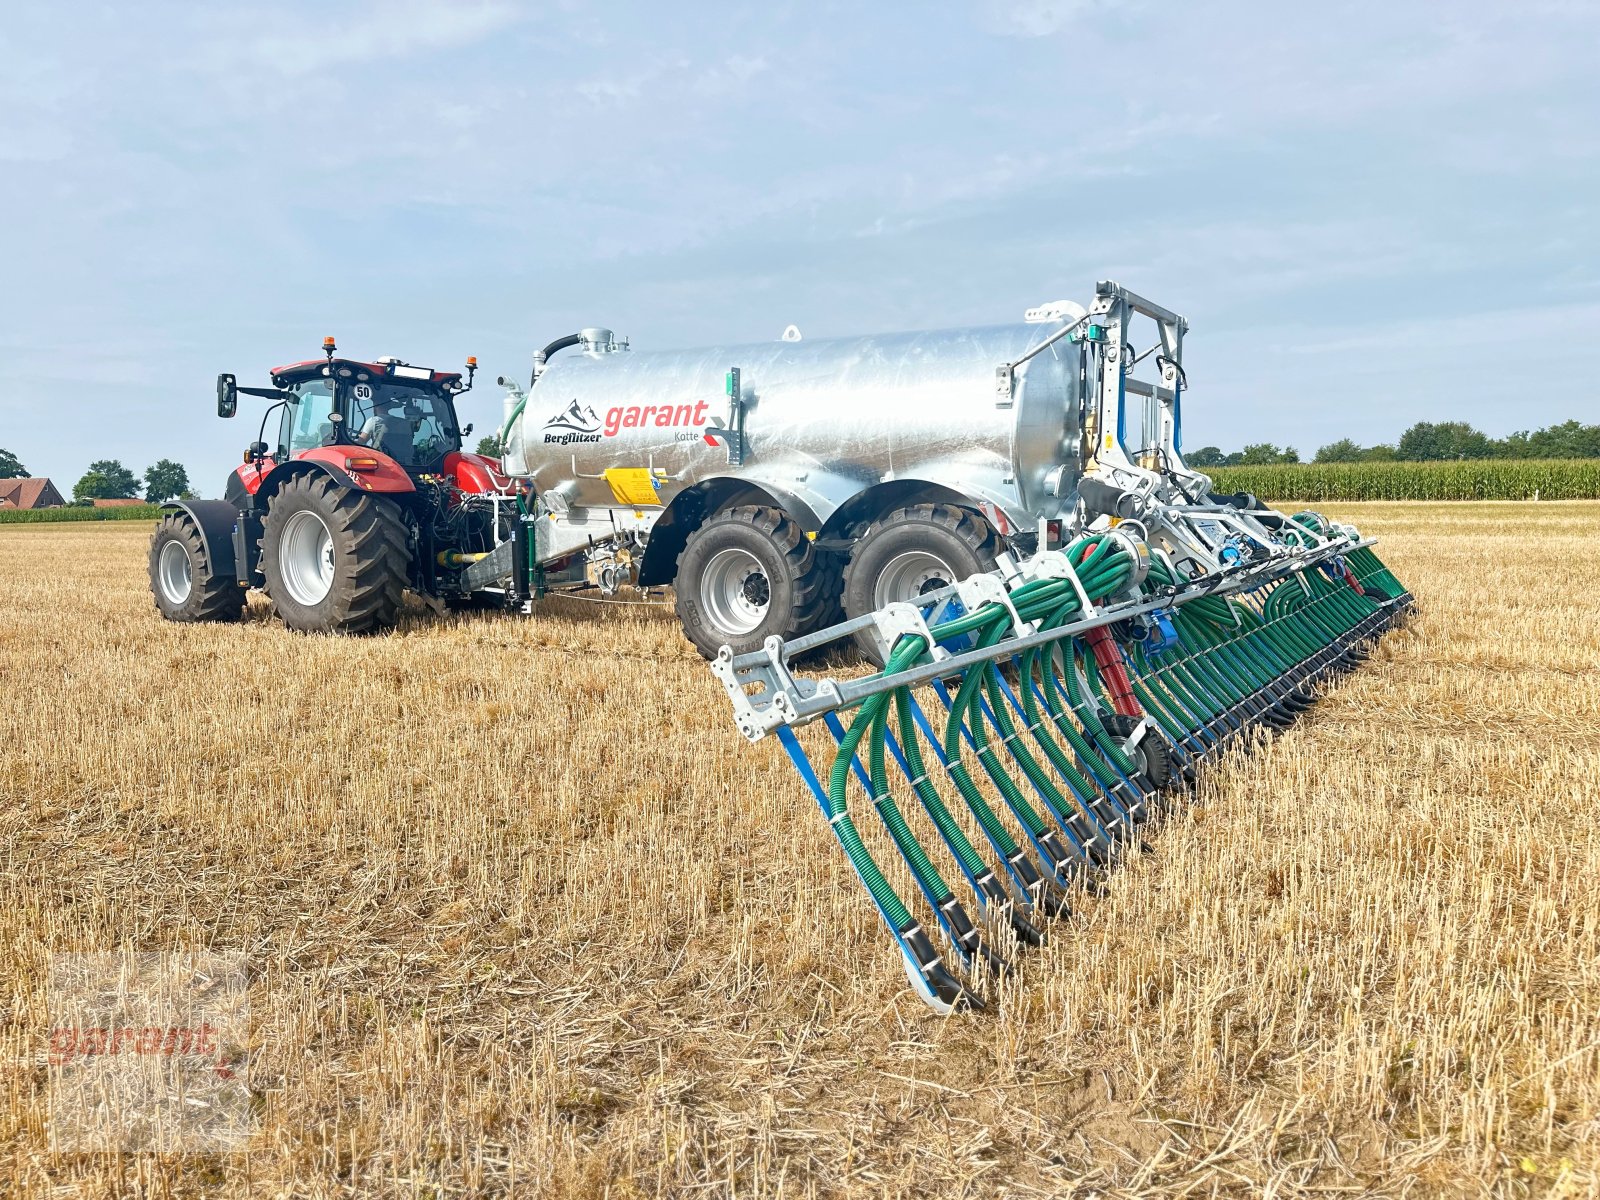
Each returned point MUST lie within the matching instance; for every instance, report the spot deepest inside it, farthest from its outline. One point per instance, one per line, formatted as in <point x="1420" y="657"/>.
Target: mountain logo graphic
<point x="578" y="418"/>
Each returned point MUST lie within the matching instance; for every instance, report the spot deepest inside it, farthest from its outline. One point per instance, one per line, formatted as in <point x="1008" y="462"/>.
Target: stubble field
<point x="524" y="914"/>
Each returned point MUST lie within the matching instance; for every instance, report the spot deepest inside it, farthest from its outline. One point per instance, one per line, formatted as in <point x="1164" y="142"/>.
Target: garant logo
<point x="575" y="423"/>
<point x="657" y="416"/>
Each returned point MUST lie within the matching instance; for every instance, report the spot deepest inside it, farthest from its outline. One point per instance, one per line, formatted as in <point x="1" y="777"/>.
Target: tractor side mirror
<point x="467" y="432"/>
<point x="227" y="396"/>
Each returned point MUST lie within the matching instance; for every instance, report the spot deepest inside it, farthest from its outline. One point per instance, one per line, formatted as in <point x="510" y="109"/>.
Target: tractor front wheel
<point x="336" y="560"/>
<point x="181" y="579"/>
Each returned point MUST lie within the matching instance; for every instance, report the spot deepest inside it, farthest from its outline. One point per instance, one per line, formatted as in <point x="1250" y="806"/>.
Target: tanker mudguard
<point x="690" y="506"/>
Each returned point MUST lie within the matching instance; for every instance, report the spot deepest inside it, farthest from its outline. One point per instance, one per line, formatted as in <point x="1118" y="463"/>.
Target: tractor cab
<point x="403" y="412"/>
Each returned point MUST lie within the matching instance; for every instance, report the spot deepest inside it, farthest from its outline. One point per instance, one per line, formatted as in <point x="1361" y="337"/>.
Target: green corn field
<point x="1474" y="479"/>
<point x="50" y="516"/>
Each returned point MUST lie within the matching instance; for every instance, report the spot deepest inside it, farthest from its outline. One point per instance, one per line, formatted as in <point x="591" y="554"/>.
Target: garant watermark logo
<point x="146" y="1052"/>
<point x="575" y="423"/>
<point x="70" y="1042"/>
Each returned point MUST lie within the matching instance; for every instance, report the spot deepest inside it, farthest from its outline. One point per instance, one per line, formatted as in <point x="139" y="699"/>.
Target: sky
<point x="1371" y="214"/>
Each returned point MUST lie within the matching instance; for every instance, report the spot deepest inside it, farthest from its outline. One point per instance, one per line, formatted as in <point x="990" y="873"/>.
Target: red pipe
<point x="1112" y="672"/>
<point x="1109" y="659"/>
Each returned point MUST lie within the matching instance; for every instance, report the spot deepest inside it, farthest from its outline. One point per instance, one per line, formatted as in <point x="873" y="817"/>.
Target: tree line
<point x="108" y="479"/>
<point x="1426" y="441"/>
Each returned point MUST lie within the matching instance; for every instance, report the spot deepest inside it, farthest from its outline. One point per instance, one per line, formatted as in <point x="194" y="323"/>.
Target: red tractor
<point x="364" y="493"/>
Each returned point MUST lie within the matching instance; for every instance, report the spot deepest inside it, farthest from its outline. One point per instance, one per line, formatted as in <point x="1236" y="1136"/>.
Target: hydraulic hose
<point x="539" y="359"/>
<point x="543" y="356"/>
<point x="1104" y="567"/>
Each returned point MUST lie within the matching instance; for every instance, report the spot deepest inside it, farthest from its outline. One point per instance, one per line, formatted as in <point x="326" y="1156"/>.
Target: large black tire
<point x="181" y="579"/>
<point x="748" y="573"/>
<point x="910" y="551"/>
<point x="360" y="569"/>
<point x="829" y="609"/>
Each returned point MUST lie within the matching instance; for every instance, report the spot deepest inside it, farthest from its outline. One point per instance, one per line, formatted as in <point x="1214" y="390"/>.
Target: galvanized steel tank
<point x="822" y="420"/>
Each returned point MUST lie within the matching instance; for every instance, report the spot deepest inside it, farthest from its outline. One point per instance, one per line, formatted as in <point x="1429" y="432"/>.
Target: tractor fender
<point x="388" y="476"/>
<point x="380" y="482"/>
<point x="215" y="520"/>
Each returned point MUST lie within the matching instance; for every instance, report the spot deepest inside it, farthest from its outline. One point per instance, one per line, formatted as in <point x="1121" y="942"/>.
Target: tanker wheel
<point x="911" y="551"/>
<point x="746" y="574"/>
<point x="181" y="578"/>
<point x="1150" y="755"/>
<point x="336" y="559"/>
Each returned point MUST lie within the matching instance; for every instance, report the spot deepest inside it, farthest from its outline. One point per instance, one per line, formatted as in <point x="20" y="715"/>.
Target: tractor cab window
<point x="414" y="427"/>
<point x="308" y="418"/>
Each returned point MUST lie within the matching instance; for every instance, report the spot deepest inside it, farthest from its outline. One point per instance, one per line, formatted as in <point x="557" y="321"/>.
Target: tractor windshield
<point x="413" y="426"/>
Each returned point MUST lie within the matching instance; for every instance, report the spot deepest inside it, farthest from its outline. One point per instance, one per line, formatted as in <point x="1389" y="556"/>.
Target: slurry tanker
<point x="1066" y="618"/>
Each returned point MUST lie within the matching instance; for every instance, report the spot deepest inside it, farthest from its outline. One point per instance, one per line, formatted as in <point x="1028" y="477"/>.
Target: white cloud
<point x="731" y="76"/>
<point x="36" y="143"/>
<point x="382" y="31"/>
<point x="1394" y="339"/>
<point x="615" y="91"/>
<point x="670" y="78"/>
<point x="1033" y="18"/>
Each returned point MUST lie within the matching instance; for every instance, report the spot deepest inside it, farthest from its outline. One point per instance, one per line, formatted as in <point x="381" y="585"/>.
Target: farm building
<point x="29" y="493"/>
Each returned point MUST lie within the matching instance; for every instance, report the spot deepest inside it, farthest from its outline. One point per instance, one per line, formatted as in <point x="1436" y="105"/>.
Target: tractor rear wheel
<point x="336" y="560"/>
<point x="911" y="551"/>
<point x="181" y="579"/>
<point x="746" y="574"/>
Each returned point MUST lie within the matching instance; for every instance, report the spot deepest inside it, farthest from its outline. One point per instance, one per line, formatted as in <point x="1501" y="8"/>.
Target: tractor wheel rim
<point x="735" y="591"/>
<point x="305" y="558"/>
<point x="909" y="575"/>
<point x="172" y="572"/>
